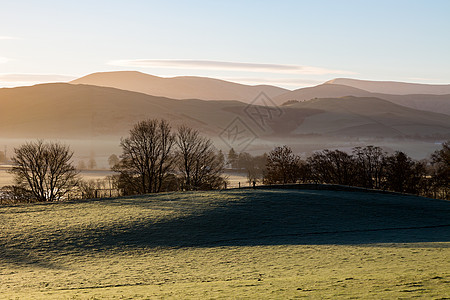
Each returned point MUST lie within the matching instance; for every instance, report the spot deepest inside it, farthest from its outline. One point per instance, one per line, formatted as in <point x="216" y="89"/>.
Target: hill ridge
<point x="393" y="87"/>
<point x="179" y="87"/>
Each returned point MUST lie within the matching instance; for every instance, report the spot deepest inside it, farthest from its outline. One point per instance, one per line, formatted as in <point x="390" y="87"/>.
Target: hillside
<point x="393" y="87"/>
<point x="83" y="111"/>
<point x="243" y="217"/>
<point x="251" y="243"/>
<point x="364" y="116"/>
<point x="92" y="120"/>
<point x="435" y="98"/>
<point x="183" y="87"/>
<point x="62" y="110"/>
<point x="434" y="103"/>
<point x="320" y="91"/>
<point x="428" y="102"/>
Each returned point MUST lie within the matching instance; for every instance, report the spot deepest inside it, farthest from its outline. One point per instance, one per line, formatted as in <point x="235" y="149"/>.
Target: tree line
<point x="156" y="157"/>
<point x="367" y="167"/>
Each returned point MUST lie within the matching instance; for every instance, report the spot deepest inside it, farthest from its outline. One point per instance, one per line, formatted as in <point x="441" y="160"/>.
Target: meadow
<point x="246" y="243"/>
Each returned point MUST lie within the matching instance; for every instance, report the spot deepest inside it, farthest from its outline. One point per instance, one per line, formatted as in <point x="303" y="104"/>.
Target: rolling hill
<point x="393" y="87"/>
<point x="67" y="110"/>
<point x="435" y="98"/>
<point x="428" y="102"/>
<point x="367" y="116"/>
<point x="84" y="111"/>
<point x="320" y="91"/>
<point x="183" y="87"/>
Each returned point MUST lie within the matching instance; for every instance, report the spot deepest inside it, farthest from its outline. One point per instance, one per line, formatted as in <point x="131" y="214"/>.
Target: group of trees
<point x="254" y="166"/>
<point x="158" y="158"/>
<point x="155" y="158"/>
<point x="368" y="167"/>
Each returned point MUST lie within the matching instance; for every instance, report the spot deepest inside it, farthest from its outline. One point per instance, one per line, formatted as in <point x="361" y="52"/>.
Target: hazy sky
<point x="286" y="43"/>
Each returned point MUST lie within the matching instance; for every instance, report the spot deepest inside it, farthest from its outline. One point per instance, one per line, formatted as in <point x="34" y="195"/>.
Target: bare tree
<point x="335" y="167"/>
<point x="370" y="166"/>
<point x="147" y="155"/>
<point x="45" y="169"/>
<point x="441" y="170"/>
<point x="232" y="158"/>
<point x="200" y="165"/>
<point x="283" y="166"/>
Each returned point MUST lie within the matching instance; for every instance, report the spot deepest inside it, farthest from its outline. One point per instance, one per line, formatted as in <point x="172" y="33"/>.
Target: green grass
<point x="233" y="244"/>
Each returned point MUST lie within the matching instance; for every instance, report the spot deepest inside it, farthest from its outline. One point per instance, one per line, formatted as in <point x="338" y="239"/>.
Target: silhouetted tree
<point x="440" y="161"/>
<point x="282" y="166"/>
<point x="403" y="174"/>
<point x="336" y="167"/>
<point x="232" y="158"/>
<point x="201" y="167"/>
<point x="369" y="166"/>
<point x="146" y="156"/>
<point x="44" y="169"/>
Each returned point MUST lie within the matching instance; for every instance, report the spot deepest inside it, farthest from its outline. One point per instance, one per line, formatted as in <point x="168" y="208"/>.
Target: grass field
<point x="273" y="244"/>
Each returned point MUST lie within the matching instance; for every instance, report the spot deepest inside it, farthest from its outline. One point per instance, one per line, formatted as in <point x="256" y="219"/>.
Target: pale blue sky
<point x="300" y="43"/>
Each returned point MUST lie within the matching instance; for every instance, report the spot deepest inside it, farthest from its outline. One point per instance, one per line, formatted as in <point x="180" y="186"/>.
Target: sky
<point x="291" y="44"/>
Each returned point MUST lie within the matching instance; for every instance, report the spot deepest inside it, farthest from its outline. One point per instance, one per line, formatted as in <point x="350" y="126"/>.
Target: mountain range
<point x="435" y="98"/>
<point x="87" y="109"/>
<point x="183" y="87"/>
<point x="392" y="87"/>
<point x="428" y="102"/>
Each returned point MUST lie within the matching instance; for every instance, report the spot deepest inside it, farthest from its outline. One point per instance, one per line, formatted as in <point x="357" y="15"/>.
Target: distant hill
<point x="183" y="87"/>
<point x="321" y="91"/>
<point x="434" y="103"/>
<point x="392" y="87"/>
<point x="367" y="116"/>
<point x="435" y="98"/>
<point x="427" y="102"/>
<point x="64" y="110"/>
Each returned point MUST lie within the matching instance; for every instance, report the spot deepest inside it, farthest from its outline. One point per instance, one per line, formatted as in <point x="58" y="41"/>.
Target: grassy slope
<point x="246" y="243"/>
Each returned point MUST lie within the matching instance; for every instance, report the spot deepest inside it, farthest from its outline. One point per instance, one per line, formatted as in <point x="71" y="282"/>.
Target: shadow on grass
<point x="270" y="217"/>
<point x="291" y="217"/>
